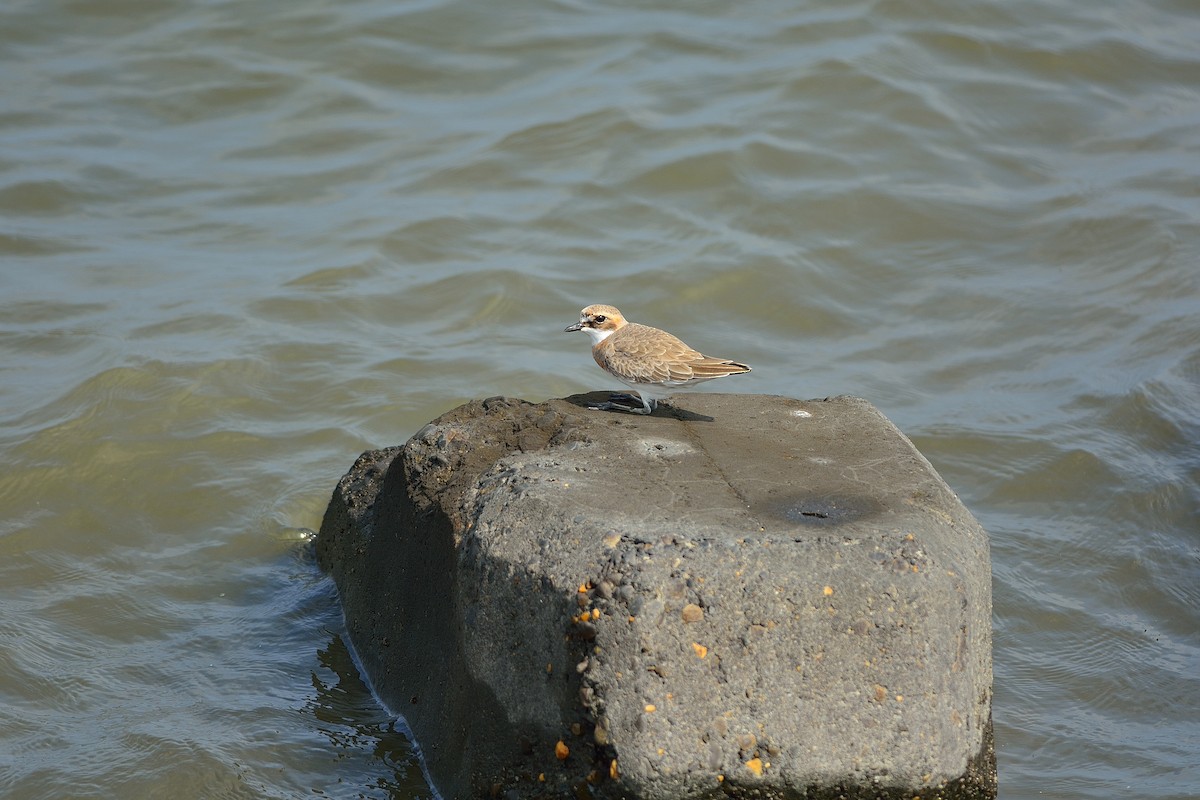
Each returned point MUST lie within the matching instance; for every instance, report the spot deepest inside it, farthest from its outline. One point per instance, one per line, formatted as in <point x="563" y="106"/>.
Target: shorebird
<point x="651" y="362"/>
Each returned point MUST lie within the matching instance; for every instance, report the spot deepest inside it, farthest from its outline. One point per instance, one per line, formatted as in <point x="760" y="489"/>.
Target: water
<point x="241" y="243"/>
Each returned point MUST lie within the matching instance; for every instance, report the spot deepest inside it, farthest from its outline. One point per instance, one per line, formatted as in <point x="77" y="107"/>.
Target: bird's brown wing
<point x="648" y="355"/>
<point x="709" y="367"/>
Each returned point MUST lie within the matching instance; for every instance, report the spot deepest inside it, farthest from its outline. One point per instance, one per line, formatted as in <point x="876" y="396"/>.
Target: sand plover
<point x="651" y="362"/>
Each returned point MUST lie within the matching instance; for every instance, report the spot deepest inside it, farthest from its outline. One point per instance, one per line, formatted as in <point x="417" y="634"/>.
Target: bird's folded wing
<point x="647" y="355"/>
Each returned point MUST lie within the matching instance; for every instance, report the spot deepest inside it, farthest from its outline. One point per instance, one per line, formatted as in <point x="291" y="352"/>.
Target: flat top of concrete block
<point x="785" y="466"/>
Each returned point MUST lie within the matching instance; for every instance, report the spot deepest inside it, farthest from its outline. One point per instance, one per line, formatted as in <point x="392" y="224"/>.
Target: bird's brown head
<point x="598" y="321"/>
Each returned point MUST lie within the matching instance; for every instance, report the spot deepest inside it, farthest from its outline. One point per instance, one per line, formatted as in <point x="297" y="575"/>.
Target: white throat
<point x="596" y="335"/>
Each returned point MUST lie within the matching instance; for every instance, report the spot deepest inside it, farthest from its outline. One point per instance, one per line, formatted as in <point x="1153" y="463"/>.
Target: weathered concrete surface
<point x="746" y="596"/>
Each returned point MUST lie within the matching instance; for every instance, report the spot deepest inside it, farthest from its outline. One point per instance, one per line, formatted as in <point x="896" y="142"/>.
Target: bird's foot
<point x="625" y="402"/>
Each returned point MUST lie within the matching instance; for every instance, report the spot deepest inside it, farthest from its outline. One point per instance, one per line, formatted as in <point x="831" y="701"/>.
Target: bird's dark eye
<point x="599" y="318"/>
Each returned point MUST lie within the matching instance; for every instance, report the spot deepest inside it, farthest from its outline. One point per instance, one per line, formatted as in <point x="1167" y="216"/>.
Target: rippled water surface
<point x="242" y="242"/>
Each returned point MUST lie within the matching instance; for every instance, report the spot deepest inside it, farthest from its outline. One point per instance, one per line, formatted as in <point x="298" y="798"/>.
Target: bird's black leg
<point x="617" y="402"/>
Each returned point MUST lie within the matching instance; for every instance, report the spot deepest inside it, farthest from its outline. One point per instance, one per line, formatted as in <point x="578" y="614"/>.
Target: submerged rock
<point x="753" y="597"/>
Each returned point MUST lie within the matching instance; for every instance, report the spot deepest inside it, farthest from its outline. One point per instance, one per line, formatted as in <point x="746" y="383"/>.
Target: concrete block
<point x="742" y="596"/>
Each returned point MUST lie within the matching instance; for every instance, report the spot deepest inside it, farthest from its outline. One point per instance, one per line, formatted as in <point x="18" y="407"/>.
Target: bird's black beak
<point x="578" y="326"/>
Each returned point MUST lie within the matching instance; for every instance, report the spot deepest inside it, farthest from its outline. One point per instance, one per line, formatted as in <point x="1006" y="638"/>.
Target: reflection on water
<point x="243" y="243"/>
<point x="349" y="715"/>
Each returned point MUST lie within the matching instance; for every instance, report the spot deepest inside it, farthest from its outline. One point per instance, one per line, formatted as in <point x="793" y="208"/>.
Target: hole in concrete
<point x="823" y="511"/>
